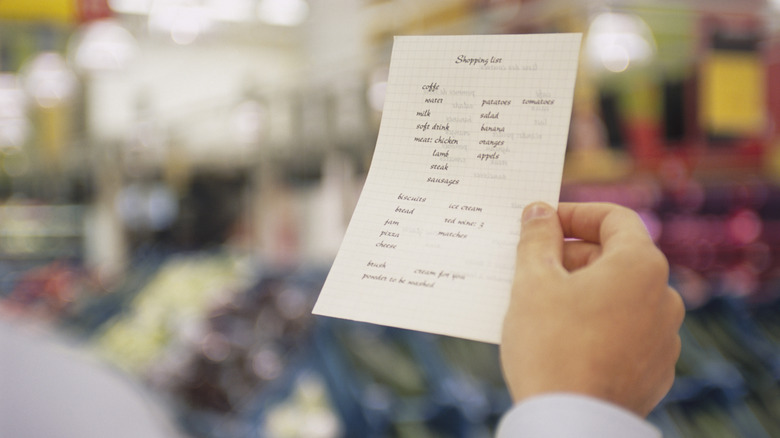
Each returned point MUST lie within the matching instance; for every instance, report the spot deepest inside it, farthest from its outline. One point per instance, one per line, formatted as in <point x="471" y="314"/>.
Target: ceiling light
<point x="615" y="41"/>
<point x="103" y="46"/>
<point x="283" y="12"/>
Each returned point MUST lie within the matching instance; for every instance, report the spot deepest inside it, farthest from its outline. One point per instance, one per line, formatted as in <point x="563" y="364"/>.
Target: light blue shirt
<point x="572" y="416"/>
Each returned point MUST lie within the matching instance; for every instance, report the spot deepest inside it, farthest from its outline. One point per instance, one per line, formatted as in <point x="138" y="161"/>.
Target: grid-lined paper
<point x="473" y="129"/>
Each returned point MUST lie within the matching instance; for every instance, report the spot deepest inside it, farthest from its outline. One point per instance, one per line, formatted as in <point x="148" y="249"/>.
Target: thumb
<point x="540" y="248"/>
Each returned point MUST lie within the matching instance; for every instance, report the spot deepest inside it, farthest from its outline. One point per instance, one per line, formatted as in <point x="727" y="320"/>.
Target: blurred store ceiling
<point x="307" y="74"/>
<point x="204" y="12"/>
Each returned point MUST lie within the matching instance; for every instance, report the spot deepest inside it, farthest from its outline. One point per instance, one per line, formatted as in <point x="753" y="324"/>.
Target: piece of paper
<point x="473" y="129"/>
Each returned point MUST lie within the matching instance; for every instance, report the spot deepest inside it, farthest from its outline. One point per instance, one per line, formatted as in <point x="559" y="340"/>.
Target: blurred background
<point x="176" y="177"/>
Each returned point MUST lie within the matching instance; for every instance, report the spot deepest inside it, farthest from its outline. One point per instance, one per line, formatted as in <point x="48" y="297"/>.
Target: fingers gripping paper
<point x="473" y="129"/>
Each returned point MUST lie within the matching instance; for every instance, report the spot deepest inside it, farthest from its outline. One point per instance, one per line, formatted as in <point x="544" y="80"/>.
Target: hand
<point x="595" y="315"/>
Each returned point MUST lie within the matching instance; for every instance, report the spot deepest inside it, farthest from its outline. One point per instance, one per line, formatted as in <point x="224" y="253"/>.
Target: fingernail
<point x="537" y="210"/>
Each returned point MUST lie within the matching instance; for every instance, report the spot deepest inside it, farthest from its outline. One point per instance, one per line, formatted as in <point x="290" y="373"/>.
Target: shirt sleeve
<point x="572" y="416"/>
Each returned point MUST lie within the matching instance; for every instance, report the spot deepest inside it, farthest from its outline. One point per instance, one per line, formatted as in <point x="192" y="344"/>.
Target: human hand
<point x="592" y="316"/>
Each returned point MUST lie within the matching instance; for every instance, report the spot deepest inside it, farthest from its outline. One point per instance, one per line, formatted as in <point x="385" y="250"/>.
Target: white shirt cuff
<point x="572" y="415"/>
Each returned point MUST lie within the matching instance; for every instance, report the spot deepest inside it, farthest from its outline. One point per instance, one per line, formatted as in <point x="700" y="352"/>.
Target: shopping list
<point x="473" y="129"/>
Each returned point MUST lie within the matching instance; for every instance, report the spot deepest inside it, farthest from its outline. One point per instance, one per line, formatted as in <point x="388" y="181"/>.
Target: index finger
<point x="601" y="223"/>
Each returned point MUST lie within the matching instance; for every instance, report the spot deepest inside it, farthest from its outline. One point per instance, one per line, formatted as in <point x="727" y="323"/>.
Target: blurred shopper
<point x="590" y="339"/>
<point x="49" y="388"/>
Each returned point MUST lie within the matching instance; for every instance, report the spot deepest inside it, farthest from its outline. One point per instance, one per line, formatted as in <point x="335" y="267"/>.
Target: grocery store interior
<point x="176" y="177"/>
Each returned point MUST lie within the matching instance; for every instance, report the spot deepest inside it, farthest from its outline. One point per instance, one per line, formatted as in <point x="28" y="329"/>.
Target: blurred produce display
<point x="232" y="346"/>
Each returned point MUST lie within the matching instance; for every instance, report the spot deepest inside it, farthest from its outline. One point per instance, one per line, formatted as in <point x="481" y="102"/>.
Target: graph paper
<point x="473" y="129"/>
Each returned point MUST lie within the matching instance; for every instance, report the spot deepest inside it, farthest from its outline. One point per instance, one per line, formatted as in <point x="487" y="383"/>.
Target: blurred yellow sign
<point x="39" y="10"/>
<point x="733" y="94"/>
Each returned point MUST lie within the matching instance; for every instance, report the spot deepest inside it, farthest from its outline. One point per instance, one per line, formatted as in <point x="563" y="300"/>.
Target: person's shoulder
<point x="572" y="415"/>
